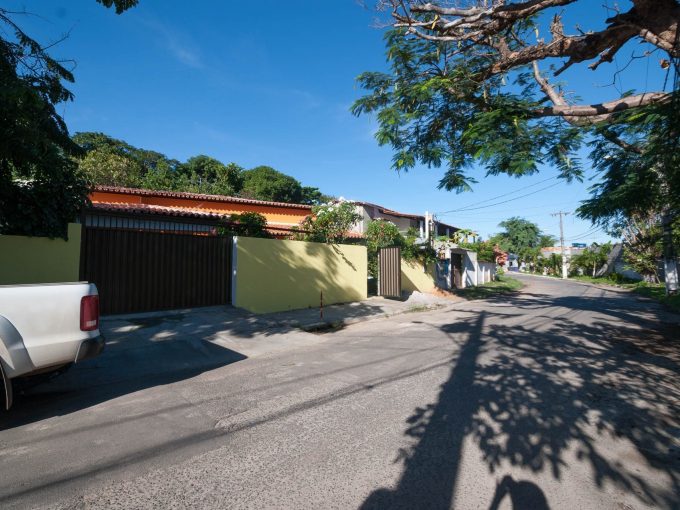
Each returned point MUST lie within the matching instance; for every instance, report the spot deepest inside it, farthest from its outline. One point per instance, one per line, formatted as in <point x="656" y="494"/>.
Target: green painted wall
<point x="274" y="275"/>
<point x="40" y="259"/>
<point x="415" y="277"/>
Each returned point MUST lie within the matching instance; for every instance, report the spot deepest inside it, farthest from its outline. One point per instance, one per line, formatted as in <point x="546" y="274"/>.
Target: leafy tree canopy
<point x="476" y="82"/>
<point x="465" y="85"/>
<point x="208" y="175"/>
<point x="519" y="236"/>
<point x="312" y="196"/>
<point x="329" y="223"/>
<point x="381" y="233"/>
<point x="248" y="224"/>
<point x="41" y="188"/>
<point x="591" y="259"/>
<point x="109" y="161"/>
<point x="484" y="249"/>
<point x="120" y="5"/>
<point x="265" y="183"/>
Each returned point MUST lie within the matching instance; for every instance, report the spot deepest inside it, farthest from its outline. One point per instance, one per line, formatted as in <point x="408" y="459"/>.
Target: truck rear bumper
<point x="90" y="348"/>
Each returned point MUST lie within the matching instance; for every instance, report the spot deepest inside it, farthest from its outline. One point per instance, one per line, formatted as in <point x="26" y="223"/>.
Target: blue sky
<point x="271" y="83"/>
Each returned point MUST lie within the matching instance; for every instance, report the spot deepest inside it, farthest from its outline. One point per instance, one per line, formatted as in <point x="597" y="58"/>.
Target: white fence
<point x="486" y="272"/>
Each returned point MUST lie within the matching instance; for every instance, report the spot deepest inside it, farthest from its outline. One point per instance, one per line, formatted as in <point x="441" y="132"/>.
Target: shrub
<point x="329" y="223"/>
<point x="248" y="224"/>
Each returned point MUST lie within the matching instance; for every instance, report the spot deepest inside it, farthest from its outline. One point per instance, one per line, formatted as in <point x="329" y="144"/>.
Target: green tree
<point x="312" y="196"/>
<point x="120" y="5"/>
<point x="591" y="259"/>
<point x="40" y="187"/>
<point x="106" y="167"/>
<point x="266" y="183"/>
<point x="329" y="223"/>
<point x="248" y="224"/>
<point x="466" y="86"/>
<point x="109" y="161"/>
<point x="208" y="175"/>
<point x="643" y="247"/>
<point x="546" y="241"/>
<point x="165" y="178"/>
<point x="518" y="236"/>
<point x="380" y="234"/>
<point x="484" y="250"/>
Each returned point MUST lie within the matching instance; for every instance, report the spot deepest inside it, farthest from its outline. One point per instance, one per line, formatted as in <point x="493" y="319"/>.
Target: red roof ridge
<point x="151" y="208"/>
<point x="195" y="196"/>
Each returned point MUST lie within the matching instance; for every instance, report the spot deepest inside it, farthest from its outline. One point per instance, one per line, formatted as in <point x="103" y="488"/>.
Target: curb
<point x="611" y="288"/>
<point x="321" y="326"/>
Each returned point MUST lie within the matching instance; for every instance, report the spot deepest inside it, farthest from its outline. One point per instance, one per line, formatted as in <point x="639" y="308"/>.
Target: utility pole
<point x="564" y="258"/>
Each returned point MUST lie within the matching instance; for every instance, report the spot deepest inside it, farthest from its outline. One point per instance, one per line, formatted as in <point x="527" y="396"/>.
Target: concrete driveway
<point x="563" y="396"/>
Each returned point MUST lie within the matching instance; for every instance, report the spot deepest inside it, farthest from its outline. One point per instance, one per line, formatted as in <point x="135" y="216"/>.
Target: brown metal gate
<point x="389" y="281"/>
<point x="137" y="270"/>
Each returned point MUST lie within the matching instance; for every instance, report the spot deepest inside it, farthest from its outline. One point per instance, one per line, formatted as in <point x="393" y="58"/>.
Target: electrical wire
<point x="499" y="203"/>
<point x="585" y="234"/>
<point x="498" y="196"/>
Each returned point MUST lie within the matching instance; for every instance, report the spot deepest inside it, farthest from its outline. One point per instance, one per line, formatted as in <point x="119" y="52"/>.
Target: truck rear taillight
<point x="89" y="313"/>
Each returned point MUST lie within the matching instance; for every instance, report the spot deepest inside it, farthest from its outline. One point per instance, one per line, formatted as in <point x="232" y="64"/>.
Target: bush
<point x="329" y="223"/>
<point x="381" y="234"/>
<point x="484" y="250"/>
<point x="248" y="224"/>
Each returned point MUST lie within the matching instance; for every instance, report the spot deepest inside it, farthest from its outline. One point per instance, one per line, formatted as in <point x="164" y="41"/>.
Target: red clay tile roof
<point x="185" y="212"/>
<point x="195" y="196"/>
<point x="157" y="209"/>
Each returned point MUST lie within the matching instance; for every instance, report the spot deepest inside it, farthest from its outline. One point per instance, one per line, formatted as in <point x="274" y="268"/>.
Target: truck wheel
<point x="6" y="389"/>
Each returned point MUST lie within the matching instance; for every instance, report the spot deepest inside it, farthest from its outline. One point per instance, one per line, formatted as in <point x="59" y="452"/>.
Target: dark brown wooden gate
<point x="137" y="270"/>
<point x="389" y="281"/>
<point x="457" y="269"/>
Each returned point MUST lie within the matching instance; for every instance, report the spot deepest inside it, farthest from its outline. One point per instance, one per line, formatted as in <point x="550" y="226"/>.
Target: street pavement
<point x="561" y="396"/>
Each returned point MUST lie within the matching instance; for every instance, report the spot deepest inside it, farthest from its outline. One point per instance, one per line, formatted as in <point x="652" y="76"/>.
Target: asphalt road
<point x="562" y="396"/>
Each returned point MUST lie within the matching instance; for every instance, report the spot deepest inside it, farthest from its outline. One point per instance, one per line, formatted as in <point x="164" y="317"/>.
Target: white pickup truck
<point x="44" y="328"/>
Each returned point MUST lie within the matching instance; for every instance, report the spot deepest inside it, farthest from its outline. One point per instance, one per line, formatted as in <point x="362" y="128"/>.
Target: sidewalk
<point x="375" y="307"/>
<point x="178" y="336"/>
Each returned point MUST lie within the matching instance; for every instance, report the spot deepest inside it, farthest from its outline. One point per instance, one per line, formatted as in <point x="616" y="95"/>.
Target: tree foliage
<point x="120" y="5"/>
<point x="109" y="161"/>
<point x="266" y="183"/>
<point x="381" y="233"/>
<point x="485" y="250"/>
<point x="465" y="85"/>
<point x="591" y="259"/>
<point x="41" y="188"/>
<point x="312" y="196"/>
<point x="477" y="83"/>
<point x="248" y="224"/>
<point x="518" y="235"/>
<point x="329" y="223"/>
<point x="204" y="174"/>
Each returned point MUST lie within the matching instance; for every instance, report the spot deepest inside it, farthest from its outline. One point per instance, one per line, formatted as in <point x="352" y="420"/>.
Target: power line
<point x="475" y="215"/>
<point x="499" y="203"/>
<point x="500" y="196"/>
<point x="586" y="234"/>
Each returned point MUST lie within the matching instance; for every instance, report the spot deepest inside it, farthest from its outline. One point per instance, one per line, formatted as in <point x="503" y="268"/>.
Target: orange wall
<point x="274" y="214"/>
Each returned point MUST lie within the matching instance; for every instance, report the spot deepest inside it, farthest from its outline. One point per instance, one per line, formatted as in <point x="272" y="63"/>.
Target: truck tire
<point x="6" y="387"/>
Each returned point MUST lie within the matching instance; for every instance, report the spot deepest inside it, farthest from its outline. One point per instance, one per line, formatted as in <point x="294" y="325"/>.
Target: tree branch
<point x="560" y="103"/>
<point x="606" y="109"/>
<point x="655" y="21"/>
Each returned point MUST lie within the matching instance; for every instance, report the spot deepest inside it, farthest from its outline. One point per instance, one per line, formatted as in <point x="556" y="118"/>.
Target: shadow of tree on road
<point x="531" y="391"/>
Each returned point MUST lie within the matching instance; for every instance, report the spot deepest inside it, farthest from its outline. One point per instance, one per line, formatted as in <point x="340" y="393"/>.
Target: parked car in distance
<point x="44" y="328"/>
